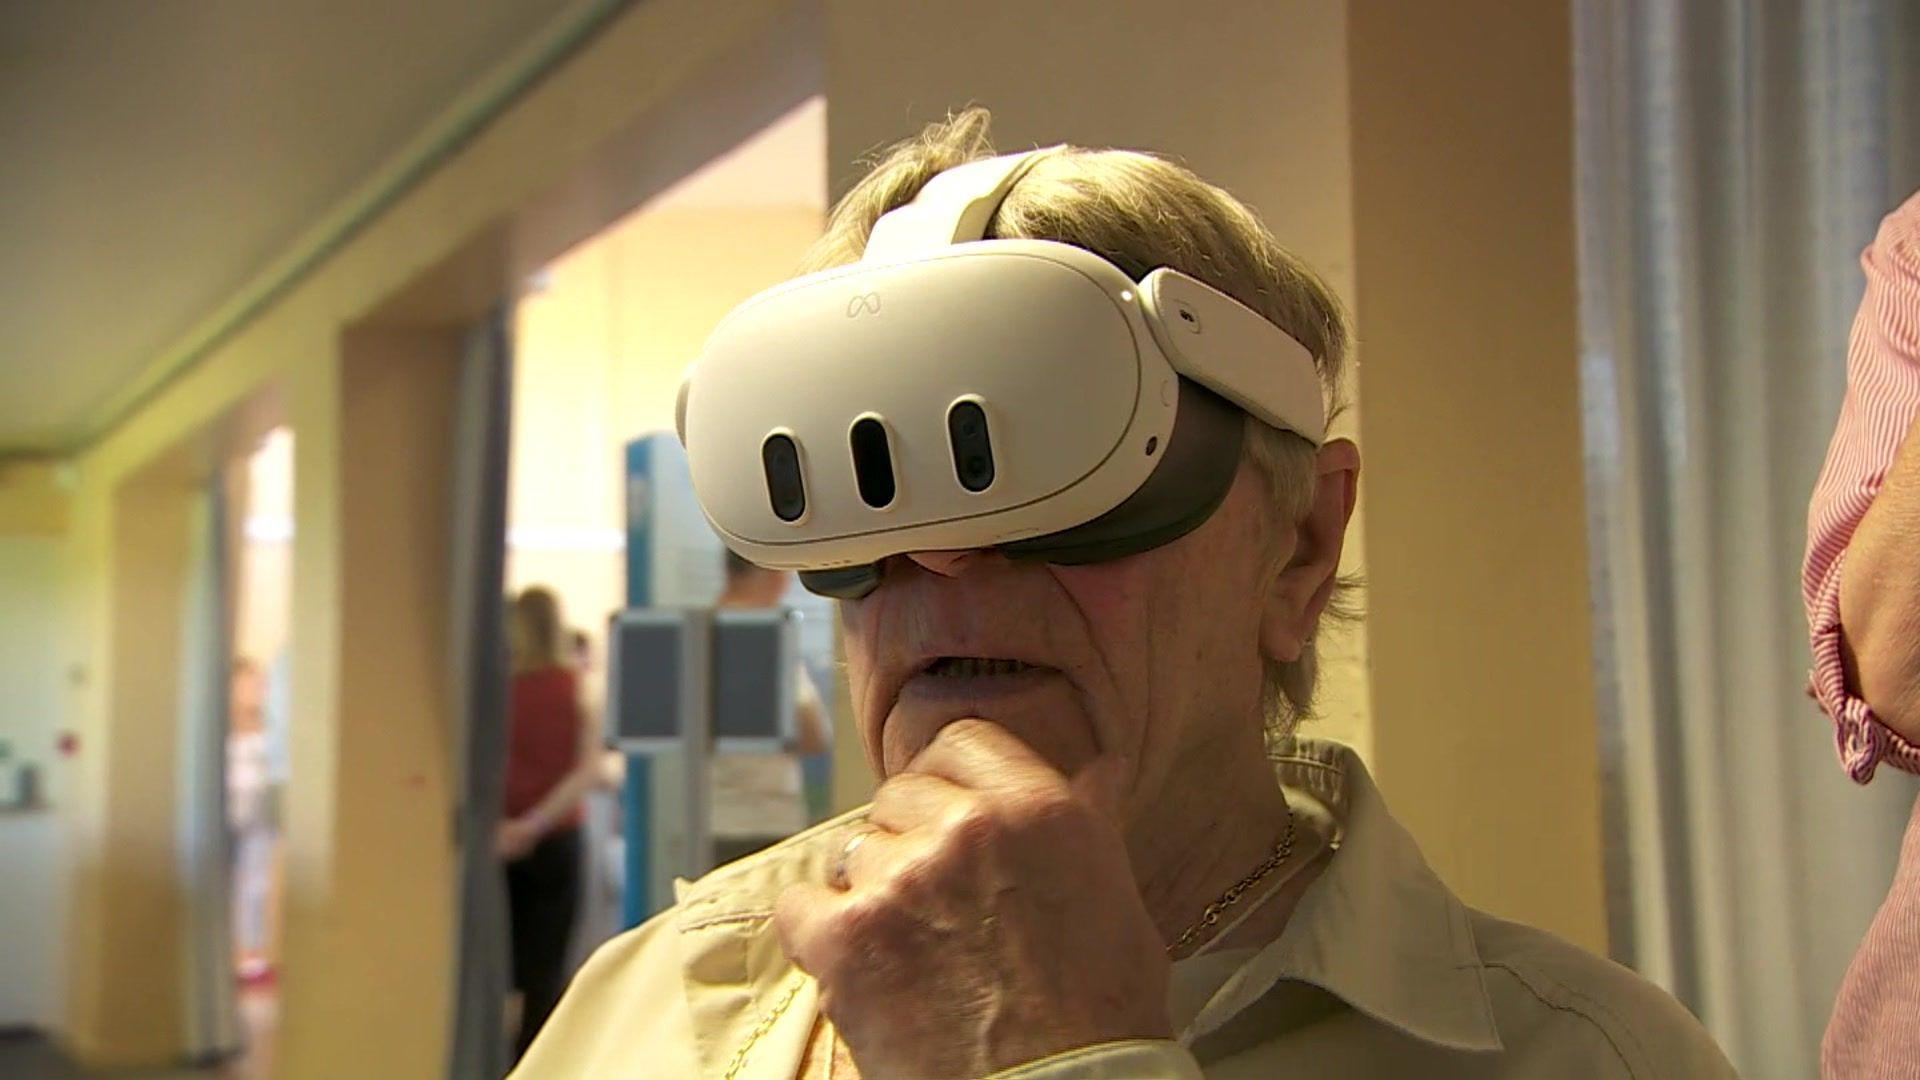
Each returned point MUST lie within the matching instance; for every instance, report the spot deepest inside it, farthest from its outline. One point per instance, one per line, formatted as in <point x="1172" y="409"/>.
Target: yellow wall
<point x="376" y="933"/>
<point x="33" y="499"/>
<point x="1484" y="727"/>
<point x="128" y="902"/>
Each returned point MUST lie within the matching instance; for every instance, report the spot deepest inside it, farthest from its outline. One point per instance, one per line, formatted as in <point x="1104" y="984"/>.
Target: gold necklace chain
<point x="1211" y="917"/>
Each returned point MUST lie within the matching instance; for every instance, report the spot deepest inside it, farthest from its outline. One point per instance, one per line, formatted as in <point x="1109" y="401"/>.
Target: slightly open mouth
<point x="974" y="667"/>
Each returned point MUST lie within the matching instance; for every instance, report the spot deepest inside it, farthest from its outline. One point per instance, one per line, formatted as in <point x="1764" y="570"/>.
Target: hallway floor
<point x="26" y="1055"/>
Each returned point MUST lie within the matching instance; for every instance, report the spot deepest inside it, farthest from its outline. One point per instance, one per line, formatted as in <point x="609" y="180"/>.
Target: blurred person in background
<point x="613" y="763"/>
<point x="603" y="866"/>
<point x="758" y="799"/>
<point x="553" y="752"/>
<point x="252" y="815"/>
<point x="1861" y="585"/>
<point x="580" y="653"/>
<point x="276" y="712"/>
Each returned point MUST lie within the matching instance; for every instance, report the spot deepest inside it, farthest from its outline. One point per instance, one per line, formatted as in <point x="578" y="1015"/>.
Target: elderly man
<point x="1085" y="522"/>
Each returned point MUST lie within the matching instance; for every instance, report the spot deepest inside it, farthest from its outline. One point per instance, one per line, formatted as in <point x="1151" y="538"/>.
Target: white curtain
<point x="1733" y="160"/>
<point x="478" y="662"/>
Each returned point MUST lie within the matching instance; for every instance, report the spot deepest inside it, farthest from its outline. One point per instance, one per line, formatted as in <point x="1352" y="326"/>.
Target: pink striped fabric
<point x="1883" y="395"/>
<point x="1874" y="1033"/>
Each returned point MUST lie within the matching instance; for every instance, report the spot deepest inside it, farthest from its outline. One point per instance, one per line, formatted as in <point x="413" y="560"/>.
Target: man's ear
<point x="1300" y="593"/>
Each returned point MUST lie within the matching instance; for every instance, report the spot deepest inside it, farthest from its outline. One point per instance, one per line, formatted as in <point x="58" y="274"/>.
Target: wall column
<point x="1466" y="294"/>
<point x="125" y="968"/>
<point x="371" y="881"/>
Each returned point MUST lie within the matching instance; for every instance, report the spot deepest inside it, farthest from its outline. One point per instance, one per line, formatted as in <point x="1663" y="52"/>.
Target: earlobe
<point x="1294" y="603"/>
<point x="1287" y="623"/>
<point x="1280" y="637"/>
<point x="1301" y="591"/>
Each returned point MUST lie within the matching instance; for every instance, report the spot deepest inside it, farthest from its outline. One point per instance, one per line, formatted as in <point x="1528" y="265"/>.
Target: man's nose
<point x="950" y="563"/>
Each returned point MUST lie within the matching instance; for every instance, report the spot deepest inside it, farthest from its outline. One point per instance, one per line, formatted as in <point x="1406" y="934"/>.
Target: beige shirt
<point x="1380" y="972"/>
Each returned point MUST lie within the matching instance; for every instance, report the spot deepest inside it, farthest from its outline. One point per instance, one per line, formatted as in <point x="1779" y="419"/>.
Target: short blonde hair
<point x="1139" y="212"/>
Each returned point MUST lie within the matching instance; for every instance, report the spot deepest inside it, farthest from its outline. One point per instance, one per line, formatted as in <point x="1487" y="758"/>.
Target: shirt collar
<point x="1378" y="928"/>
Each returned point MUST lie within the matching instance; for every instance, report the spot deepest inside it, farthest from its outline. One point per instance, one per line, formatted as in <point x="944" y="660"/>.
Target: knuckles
<point x="1043" y="814"/>
<point x="972" y="827"/>
<point x="864" y="919"/>
<point x="1007" y="825"/>
<point x="864" y="941"/>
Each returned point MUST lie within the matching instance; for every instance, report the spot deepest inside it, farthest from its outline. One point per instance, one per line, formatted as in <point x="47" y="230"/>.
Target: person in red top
<point x="552" y="753"/>
<point x="1861" y="584"/>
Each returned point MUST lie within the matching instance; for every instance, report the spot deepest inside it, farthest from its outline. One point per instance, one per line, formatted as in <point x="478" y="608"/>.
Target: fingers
<point x="982" y="755"/>
<point x="802" y="919"/>
<point x="909" y="800"/>
<point x="860" y="854"/>
<point x="979" y="755"/>
<point x="817" y="923"/>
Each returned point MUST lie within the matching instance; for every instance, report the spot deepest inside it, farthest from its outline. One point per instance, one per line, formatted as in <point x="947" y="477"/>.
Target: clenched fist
<point x="989" y="918"/>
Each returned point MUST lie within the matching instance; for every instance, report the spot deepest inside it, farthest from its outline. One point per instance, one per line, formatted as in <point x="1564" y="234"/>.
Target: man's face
<point x="1155" y="657"/>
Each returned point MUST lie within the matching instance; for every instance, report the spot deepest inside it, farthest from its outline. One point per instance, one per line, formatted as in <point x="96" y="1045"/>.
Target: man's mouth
<point x="975" y="667"/>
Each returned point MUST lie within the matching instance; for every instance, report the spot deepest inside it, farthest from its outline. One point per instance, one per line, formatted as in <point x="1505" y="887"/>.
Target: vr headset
<point x="948" y="392"/>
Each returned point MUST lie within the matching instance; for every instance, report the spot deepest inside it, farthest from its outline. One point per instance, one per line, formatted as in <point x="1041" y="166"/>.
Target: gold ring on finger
<point x="838" y="877"/>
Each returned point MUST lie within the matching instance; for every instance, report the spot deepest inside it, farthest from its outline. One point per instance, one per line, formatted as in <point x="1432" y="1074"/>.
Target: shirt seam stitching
<point x="1525" y="979"/>
<point x="726" y="920"/>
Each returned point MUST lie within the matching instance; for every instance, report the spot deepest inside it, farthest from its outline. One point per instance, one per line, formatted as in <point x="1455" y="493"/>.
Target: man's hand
<point x="514" y="838"/>
<point x="988" y="920"/>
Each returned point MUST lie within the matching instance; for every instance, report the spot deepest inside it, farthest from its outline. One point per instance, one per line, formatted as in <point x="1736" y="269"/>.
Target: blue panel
<point x="639" y="514"/>
<point x="673" y="561"/>
<point x="636" y="904"/>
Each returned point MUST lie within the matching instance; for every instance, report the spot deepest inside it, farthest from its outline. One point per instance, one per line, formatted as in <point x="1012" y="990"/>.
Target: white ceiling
<point x="158" y="153"/>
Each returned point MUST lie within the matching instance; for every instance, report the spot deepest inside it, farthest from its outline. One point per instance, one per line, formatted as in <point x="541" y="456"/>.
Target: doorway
<point x="258" y="729"/>
<point x="602" y="336"/>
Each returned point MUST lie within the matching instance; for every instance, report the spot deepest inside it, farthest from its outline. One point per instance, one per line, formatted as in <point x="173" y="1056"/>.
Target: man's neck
<point x="1206" y="836"/>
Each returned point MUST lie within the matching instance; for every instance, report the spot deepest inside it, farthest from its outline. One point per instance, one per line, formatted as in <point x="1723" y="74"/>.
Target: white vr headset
<point x="948" y="392"/>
